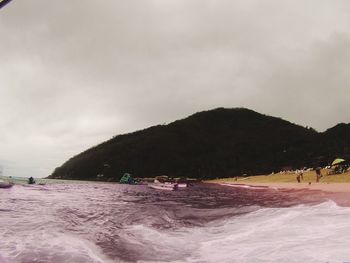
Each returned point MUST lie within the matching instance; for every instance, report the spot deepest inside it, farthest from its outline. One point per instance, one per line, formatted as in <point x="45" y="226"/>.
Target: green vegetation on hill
<point x="209" y="144"/>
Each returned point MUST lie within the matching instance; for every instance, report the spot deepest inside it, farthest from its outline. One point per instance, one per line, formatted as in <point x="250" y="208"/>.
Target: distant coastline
<point x="210" y="144"/>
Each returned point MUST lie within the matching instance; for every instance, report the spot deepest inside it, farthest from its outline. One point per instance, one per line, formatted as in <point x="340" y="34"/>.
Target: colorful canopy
<point x="338" y="161"/>
<point x="127" y="179"/>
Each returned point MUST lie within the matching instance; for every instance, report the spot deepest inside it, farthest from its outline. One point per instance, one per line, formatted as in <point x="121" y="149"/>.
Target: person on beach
<point x="318" y="174"/>
<point x="299" y="174"/>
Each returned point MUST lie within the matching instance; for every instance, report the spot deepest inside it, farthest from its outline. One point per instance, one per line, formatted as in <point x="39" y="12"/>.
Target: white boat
<point x="164" y="186"/>
<point x="182" y="185"/>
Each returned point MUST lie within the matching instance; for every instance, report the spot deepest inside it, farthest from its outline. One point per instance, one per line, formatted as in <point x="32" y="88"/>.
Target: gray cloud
<point x="75" y="73"/>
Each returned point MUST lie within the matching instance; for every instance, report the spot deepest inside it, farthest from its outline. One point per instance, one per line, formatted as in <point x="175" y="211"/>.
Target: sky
<point x="74" y="73"/>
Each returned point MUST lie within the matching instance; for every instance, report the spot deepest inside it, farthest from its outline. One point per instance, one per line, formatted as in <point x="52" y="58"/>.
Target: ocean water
<point x="204" y="223"/>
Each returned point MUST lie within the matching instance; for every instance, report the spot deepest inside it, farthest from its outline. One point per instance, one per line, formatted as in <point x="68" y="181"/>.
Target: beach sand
<point x="337" y="192"/>
<point x="326" y="187"/>
<point x="339" y="183"/>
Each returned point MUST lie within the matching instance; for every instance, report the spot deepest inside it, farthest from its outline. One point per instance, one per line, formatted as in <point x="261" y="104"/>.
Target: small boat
<point x="182" y="182"/>
<point x="164" y="186"/>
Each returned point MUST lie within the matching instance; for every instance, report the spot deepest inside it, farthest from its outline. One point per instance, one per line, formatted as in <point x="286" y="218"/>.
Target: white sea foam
<point x="247" y="186"/>
<point x="30" y="232"/>
<point x="297" y="234"/>
<point x="51" y="247"/>
<point x="71" y="223"/>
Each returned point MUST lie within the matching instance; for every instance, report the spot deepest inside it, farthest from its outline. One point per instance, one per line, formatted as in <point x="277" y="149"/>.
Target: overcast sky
<point x="74" y="73"/>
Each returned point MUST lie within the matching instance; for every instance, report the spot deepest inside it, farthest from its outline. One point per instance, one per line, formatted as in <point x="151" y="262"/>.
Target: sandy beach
<point x="326" y="187"/>
<point x="337" y="192"/>
<point x="339" y="183"/>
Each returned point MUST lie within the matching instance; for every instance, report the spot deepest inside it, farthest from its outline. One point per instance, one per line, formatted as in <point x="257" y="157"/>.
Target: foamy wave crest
<point x="247" y="186"/>
<point x="295" y="234"/>
<point x="207" y="223"/>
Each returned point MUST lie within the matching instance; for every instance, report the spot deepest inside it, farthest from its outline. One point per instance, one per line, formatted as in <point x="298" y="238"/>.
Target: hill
<point x="209" y="144"/>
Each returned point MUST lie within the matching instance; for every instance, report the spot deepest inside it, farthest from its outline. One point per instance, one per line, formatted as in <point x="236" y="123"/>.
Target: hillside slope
<point x="209" y="144"/>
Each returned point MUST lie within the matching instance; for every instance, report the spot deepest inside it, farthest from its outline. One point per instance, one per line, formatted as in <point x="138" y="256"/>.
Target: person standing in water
<point x="31" y="180"/>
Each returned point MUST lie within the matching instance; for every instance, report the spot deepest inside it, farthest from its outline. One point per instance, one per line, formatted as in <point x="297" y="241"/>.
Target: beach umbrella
<point x="337" y="161"/>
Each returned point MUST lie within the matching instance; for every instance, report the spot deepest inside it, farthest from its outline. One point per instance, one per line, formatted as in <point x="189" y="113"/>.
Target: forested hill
<point x="209" y="144"/>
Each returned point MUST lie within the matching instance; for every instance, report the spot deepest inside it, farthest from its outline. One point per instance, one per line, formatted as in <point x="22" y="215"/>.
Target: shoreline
<point x="336" y="192"/>
<point x="325" y="187"/>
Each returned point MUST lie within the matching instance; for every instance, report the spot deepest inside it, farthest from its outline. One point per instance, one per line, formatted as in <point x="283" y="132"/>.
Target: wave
<point x="208" y="223"/>
<point x="247" y="186"/>
<point x="45" y="246"/>
<point x="296" y="234"/>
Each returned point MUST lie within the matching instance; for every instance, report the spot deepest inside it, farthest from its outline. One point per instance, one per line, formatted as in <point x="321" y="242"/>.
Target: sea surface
<point x="91" y="222"/>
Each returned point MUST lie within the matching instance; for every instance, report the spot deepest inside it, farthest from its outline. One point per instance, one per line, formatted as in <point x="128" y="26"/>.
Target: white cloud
<point x="74" y="73"/>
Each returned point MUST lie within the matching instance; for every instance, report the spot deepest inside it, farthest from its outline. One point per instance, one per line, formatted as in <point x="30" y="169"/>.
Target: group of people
<point x="339" y="169"/>
<point x="300" y="175"/>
